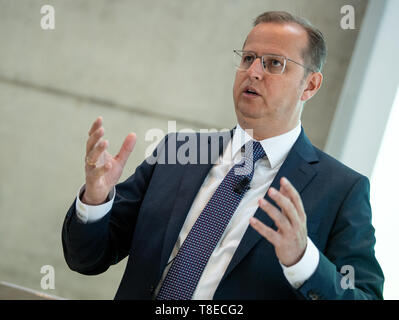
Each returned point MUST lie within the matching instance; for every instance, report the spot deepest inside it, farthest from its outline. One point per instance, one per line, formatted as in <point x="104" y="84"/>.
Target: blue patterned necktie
<point x="192" y="257"/>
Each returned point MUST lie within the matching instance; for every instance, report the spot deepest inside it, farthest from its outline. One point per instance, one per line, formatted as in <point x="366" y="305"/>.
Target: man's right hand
<point x="102" y="170"/>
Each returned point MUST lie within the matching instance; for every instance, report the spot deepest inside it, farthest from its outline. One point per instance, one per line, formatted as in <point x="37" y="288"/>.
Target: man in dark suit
<point x="295" y="225"/>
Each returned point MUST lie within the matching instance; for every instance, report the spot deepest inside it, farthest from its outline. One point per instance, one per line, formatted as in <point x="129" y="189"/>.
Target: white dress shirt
<point x="276" y="149"/>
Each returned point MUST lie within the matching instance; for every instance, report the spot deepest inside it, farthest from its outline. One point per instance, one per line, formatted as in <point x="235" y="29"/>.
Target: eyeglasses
<point x="271" y="63"/>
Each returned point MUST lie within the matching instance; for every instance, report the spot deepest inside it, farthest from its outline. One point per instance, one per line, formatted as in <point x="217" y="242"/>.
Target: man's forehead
<point x="288" y="39"/>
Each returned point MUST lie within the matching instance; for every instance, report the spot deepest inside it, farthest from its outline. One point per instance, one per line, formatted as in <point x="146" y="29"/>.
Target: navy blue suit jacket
<point x="150" y="208"/>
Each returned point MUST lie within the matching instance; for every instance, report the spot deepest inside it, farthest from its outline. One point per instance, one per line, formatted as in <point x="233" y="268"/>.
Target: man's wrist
<point x="90" y="213"/>
<point x="90" y="202"/>
<point x="298" y="273"/>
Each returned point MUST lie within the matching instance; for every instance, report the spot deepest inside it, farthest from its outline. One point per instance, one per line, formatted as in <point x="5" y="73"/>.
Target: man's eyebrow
<point x="262" y="54"/>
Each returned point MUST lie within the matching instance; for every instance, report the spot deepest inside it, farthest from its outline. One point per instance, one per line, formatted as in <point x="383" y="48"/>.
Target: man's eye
<point x="248" y="59"/>
<point x="275" y="63"/>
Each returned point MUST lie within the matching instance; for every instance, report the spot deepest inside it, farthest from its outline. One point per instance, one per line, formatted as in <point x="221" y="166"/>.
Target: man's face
<point x="279" y="96"/>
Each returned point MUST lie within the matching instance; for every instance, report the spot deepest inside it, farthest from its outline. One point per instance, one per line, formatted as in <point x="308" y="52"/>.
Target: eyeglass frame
<point x="239" y="52"/>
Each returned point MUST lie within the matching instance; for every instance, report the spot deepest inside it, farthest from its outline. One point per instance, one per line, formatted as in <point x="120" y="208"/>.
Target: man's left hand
<point x="290" y="239"/>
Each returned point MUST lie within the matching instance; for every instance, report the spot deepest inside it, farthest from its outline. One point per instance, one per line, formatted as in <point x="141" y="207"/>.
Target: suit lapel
<point x="298" y="170"/>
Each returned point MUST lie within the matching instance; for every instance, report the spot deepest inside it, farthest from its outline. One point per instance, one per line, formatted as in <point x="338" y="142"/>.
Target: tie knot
<point x="256" y="148"/>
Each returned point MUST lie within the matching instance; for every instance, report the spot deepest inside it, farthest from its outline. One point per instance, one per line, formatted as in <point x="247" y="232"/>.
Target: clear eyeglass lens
<point x="271" y="64"/>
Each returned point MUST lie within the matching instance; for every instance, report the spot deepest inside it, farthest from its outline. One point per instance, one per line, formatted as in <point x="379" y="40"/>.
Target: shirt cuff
<point x="302" y="270"/>
<point x="87" y="213"/>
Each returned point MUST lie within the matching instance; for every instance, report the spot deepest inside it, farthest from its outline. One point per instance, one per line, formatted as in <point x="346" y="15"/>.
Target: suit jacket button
<point x="313" y="295"/>
<point x="152" y="289"/>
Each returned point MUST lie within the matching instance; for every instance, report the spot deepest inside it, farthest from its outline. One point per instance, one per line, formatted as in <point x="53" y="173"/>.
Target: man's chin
<point x="249" y="111"/>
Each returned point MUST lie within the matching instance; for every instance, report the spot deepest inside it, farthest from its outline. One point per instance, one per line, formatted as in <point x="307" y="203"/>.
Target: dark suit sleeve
<point x="92" y="248"/>
<point x="351" y="242"/>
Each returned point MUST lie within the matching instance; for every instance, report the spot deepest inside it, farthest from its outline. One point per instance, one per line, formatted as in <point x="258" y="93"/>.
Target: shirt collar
<point x="276" y="148"/>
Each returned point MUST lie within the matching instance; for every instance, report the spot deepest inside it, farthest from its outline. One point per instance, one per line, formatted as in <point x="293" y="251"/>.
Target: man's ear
<point x="313" y="84"/>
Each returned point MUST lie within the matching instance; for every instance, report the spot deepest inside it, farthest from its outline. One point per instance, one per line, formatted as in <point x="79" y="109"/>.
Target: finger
<point x="289" y="190"/>
<point x="96" y="124"/>
<point x="93" y="139"/>
<point x="96" y="152"/>
<point x="279" y="218"/>
<point x="286" y="206"/>
<point x="265" y="231"/>
<point x="126" y="149"/>
<point x="99" y="171"/>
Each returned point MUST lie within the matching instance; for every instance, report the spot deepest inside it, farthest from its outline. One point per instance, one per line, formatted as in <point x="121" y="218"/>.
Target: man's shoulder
<point x="332" y="166"/>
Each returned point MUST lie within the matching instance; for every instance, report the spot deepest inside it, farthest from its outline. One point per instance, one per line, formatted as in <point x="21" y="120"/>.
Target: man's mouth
<point x="250" y="92"/>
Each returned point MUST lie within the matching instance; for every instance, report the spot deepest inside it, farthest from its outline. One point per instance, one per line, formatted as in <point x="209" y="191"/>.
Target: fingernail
<point x="272" y="191"/>
<point x="284" y="180"/>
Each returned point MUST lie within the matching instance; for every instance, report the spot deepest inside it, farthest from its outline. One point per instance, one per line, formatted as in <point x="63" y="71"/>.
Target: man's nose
<point x="255" y="71"/>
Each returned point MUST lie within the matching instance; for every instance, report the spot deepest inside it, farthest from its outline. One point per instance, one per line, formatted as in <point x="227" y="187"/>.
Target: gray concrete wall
<point x="138" y="64"/>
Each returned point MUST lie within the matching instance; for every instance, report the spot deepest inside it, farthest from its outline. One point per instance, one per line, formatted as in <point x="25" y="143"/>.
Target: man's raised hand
<point x="290" y="239"/>
<point x="102" y="170"/>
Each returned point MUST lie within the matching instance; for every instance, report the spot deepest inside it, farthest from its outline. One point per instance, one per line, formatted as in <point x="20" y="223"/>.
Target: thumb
<point x="126" y="149"/>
